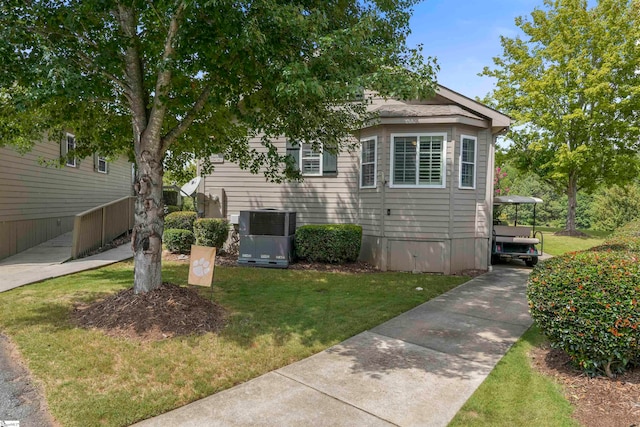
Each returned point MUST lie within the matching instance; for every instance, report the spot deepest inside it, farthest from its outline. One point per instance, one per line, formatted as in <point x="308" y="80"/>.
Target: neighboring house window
<point x="69" y="145"/>
<point x="312" y="163"/>
<point x="368" y="157"/>
<point x="468" y="156"/>
<point x="418" y="160"/>
<point x="100" y="164"/>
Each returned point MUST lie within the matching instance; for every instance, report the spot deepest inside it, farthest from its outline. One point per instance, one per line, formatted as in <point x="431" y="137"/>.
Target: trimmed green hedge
<point x="211" y="232"/>
<point x="172" y="208"/>
<point x="182" y="220"/>
<point x="178" y="241"/>
<point x="332" y="243"/>
<point x="587" y="303"/>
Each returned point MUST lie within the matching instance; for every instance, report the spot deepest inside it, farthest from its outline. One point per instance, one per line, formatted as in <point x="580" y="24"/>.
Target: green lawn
<point x="276" y="317"/>
<point x="557" y="245"/>
<point x="515" y="395"/>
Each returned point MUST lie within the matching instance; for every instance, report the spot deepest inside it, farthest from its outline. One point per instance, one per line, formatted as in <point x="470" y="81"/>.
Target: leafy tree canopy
<point x="572" y="83"/>
<point x="198" y="77"/>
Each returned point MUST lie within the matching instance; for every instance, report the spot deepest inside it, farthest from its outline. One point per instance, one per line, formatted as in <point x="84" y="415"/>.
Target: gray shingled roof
<point x="428" y="110"/>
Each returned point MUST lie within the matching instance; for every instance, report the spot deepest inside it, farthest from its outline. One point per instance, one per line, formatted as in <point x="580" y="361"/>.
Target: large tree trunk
<point x="572" y="196"/>
<point x="149" y="222"/>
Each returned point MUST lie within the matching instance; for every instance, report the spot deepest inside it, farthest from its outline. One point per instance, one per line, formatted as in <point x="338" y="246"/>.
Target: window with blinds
<point x="368" y="157"/>
<point x="418" y="160"/>
<point x="310" y="162"/>
<point x="468" y="156"/>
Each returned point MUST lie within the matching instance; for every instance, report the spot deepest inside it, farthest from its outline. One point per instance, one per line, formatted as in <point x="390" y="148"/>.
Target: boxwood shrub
<point x="171" y="208"/>
<point x="331" y="243"/>
<point x="177" y="240"/>
<point x="211" y="231"/>
<point x="182" y="220"/>
<point x="586" y="303"/>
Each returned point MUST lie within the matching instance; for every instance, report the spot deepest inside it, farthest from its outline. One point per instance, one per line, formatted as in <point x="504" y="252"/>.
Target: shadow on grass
<point x="50" y="317"/>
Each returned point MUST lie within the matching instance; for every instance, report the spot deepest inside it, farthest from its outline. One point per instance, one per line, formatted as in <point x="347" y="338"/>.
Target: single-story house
<point x="39" y="202"/>
<point x="421" y="185"/>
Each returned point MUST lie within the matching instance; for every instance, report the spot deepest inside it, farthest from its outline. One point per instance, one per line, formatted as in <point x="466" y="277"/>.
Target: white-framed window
<point x="368" y="163"/>
<point x="100" y="164"/>
<point x="418" y="160"/>
<point x="312" y="163"/>
<point x="468" y="159"/>
<point x="69" y="144"/>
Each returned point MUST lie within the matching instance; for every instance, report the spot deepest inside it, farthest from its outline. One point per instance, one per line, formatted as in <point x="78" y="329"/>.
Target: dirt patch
<point x="165" y="312"/>
<point x="598" y="402"/>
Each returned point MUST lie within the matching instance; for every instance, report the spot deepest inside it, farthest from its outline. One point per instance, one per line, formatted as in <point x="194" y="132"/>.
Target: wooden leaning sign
<point x="203" y="260"/>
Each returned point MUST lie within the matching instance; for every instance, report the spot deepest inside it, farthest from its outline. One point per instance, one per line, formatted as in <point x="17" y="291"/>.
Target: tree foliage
<point x="615" y="206"/>
<point x="571" y="82"/>
<point x="195" y="78"/>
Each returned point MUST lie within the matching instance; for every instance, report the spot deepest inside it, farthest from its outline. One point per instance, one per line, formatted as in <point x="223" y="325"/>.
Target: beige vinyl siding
<point x="410" y="228"/>
<point x="29" y="190"/>
<point x="38" y="202"/>
<point x="370" y="209"/>
<point x="317" y="200"/>
<point x="416" y="213"/>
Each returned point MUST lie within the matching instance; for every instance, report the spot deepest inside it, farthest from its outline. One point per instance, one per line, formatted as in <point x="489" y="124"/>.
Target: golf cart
<point x="516" y="241"/>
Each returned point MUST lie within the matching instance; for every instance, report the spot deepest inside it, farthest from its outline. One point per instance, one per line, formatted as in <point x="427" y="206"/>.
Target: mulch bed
<point x="229" y="260"/>
<point x="599" y="401"/>
<point x="165" y="312"/>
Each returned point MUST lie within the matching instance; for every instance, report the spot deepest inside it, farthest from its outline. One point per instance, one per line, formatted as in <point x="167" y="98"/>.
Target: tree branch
<point x="90" y="64"/>
<point x="134" y="71"/>
<point x="175" y="133"/>
<point x="156" y="117"/>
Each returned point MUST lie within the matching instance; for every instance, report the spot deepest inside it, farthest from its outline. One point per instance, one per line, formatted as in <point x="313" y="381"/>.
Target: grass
<point x="515" y="395"/>
<point x="275" y="318"/>
<point x="557" y="245"/>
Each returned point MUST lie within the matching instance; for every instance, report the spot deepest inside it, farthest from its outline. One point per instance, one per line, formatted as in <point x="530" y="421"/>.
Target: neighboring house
<point x="421" y="186"/>
<point x="39" y="202"/>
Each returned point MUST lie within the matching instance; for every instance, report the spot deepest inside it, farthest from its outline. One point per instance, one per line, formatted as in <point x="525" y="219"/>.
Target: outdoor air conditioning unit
<point x="266" y="237"/>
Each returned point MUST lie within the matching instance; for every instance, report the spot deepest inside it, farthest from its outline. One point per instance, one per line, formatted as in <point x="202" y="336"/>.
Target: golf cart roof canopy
<point x="515" y="200"/>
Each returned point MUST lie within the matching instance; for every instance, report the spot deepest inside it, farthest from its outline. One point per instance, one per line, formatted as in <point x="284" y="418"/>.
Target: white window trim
<point x="418" y="135"/>
<point x="475" y="162"/>
<point x="106" y="167"/>
<point x="375" y="161"/>
<point x="70" y="162"/>
<point x="302" y="159"/>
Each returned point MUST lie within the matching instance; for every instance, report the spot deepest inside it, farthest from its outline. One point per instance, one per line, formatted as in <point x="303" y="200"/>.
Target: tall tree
<point x="572" y="82"/>
<point x="196" y="77"/>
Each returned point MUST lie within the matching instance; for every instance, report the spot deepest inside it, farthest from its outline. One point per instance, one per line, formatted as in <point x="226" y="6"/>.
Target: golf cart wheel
<point x="531" y="262"/>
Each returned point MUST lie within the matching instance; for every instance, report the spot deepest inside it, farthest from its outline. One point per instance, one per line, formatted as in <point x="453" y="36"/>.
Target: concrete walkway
<point x="417" y="369"/>
<point x="50" y="259"/>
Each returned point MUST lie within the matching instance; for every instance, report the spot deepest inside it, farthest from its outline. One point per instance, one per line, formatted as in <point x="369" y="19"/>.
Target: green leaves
<point x="587" y="303"/>
<point x="227" y="70"/>
<point x="571" y="83"/>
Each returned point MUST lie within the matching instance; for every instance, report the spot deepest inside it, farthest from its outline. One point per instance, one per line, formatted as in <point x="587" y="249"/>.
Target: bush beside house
<point x="178" y="241"/>
<point x="332" y="243"/>
<point x="182" y="220"/>
<point x="178" y="231"/>
<point x="211" y="232"/>
<point x="587" y="303"/>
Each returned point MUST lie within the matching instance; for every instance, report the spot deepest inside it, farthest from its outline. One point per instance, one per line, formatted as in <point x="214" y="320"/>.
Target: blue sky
<point x="464" y="35"/>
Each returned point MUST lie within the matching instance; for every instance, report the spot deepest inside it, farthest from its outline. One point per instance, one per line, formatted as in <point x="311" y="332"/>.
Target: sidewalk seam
<point x="333" y="397"/>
